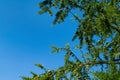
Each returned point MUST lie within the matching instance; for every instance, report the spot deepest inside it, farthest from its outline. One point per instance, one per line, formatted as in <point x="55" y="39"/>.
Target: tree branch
<point x="116" y="29"/>
<point x="101" y="62"/>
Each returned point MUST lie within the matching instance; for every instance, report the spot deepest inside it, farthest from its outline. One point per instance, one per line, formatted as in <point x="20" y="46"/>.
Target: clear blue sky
<point x="26" y="37"/>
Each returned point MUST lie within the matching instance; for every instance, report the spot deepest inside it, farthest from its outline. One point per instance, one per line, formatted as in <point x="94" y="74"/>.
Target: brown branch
<point x="116" y="29"/>
<point x="73" y="55"/>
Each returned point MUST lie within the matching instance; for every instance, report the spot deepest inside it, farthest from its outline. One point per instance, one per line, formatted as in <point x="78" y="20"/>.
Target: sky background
<point x="26" y="37"/>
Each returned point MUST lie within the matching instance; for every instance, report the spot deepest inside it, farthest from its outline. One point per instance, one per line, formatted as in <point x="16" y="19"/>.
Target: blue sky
<point x="26" y="37"/>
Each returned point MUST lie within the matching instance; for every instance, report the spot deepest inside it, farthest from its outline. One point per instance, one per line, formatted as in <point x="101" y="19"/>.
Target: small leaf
<point x="67" y="45"/>
<point x="55" y="49"/>
<point x="39" y="65"/>
<point x="77" y="47"/>
<point x="34" y="75"/>
<point x="116" y="54"/>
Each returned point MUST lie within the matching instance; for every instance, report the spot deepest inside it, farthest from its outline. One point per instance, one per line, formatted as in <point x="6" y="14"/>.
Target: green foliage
<point x="98" y="33"/>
